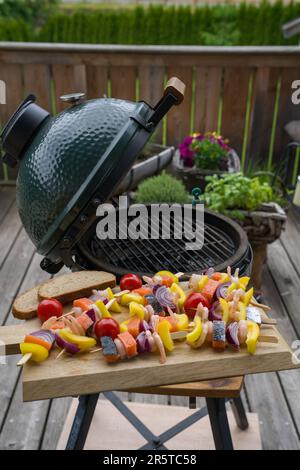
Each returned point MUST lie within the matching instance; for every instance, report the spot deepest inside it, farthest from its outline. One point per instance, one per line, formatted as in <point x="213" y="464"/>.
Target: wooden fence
<point x="243" y="92"/>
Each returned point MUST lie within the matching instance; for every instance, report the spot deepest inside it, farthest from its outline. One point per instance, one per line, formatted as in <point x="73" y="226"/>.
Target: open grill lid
<point x="71" y="163"/>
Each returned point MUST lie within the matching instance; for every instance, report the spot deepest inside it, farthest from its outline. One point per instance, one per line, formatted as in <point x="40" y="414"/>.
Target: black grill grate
<point x="224" y="243"/>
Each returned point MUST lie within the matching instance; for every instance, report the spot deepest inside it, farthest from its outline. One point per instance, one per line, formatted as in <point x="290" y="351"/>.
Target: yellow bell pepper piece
<point x="232" y="287"/>
<point x="194" y="335"/>
<point x="248" y="296"/>
<point x="163" y="329"/>
<point x="252" y="336"/>
<point x="168" y="274"/>
<point x="39" y="353"/>
<point x="225" y="310"/>
<point x="131" y="297"/>
<point x="176" y="289"/>
<point x="182" y="321"/>
<point x="242" y="311"/>
<point x="123" y="326"/>
<point x="83" y="342"/>
<point x="202" y="283"/>
<point x="243" y="282"/>
<point x="224" y="278"/>
<point x="115" y="307"/>
<point x="103" y="310"/>
<point x="136" y="309"/>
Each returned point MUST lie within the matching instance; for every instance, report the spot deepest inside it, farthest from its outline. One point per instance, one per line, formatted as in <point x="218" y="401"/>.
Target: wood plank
<point x="87" y="374"/>
<point x="7" y="196"/>
<point x="179" y="117"/>
<point x="151" y="83"/>
<point x="229" y="387"/>
<point x="123" y="82"/>
<point x="97" y="81"/>
<point x="59" y="409"/>
<point x="290" y="380"/>
<point x="12" y="75"/>
<point x="286" y="280"/>
<point x="11" y="278"/>
<point x="9" y="230"/>
<point x="287" y="111"/>
<point x="208" y="82"/>
<point x="37" y="80"/>
<point x="235" y="94"/>
<point x="264" y="93"/>
<point x="10" y="373"/>
<point x="290" y="239"/>
<point x="266" y="399"/>
<point x="24" y="424"/>
<point x="68" y="79"/>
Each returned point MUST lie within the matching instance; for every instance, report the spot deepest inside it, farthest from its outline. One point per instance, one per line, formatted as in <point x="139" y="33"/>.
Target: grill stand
<point x="215" y="408"/>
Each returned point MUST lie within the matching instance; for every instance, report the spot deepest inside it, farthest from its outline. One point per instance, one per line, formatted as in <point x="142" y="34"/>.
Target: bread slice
<point x="25" y="305"/>
<point x="74" y="285"/>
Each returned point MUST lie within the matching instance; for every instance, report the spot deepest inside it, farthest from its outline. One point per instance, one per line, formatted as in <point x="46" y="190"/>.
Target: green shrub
<point x="240" y="24"/>
<point x="162" y="188"/>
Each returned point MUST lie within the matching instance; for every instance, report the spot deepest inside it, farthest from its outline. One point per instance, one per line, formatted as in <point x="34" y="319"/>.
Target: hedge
<point x="244" y="24"/>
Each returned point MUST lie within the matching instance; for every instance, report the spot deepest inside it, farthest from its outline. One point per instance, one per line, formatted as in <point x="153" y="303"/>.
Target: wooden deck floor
<point x="274" y="396"/>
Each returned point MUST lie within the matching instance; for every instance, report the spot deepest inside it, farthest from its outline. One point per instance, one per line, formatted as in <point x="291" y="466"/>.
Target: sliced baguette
<point x="25" y="305"/>
<point x="74" y="285"/>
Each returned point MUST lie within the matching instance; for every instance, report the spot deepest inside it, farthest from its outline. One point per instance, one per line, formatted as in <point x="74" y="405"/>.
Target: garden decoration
<point x="200" y="155"/>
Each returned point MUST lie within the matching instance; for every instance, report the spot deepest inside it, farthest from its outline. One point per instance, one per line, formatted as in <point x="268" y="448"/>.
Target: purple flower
<point x="185" y="151"/>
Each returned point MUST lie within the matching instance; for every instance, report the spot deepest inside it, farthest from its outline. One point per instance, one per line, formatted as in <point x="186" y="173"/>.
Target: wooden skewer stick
<point x="262" y="306"/>
<point x="269" y="321"/>
<point x="24" y="359"/>
<point x="262" y="338"/>
<point x="62" y="352"/>
<point x="267" y="339"/>
<point x="96" y="350"/>
<point x="66" y="314"/>
<point x="119" y="294"/>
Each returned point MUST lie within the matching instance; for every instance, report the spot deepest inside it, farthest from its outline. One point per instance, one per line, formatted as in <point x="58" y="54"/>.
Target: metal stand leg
<point x="239" y="413"/>
<point x="82" y="421"/>
<point x="219" y="423"/>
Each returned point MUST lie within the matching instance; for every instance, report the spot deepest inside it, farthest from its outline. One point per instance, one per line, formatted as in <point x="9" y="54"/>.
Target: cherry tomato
<point x="107" y="327"/>
<point x="191" y="303"/>
<point x="130" y="282"/>
<point x="49" y="308"/>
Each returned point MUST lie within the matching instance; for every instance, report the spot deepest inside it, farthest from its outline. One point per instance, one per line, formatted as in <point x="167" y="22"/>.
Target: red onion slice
<point x="91" y="314"/>
<point x="142" y="343"/>
<point x="232" y="331"/>
<point x="165" y="297"/>
<point x="63" y="344"/>
<point x="221" y="291"/>
<point x="214" y="314"/>
<point x="45" y="335"/>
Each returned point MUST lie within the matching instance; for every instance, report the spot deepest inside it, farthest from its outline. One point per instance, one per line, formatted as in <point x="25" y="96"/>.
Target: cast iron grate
<point x="150" y="255"/>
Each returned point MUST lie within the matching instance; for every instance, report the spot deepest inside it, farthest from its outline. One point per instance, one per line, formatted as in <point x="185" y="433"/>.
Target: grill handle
<point x="173" y="96"/>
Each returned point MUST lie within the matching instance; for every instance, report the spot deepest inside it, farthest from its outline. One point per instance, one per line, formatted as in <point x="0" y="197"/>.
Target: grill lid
<point x="71" y="163"/>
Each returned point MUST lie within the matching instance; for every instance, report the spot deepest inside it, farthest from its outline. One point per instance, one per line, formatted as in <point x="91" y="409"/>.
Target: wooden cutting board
<point x="88" y="373"/>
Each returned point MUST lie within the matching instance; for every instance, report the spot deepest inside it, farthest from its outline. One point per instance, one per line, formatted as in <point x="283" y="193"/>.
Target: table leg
<point x="82" y="421"/>
<point x="219" y="423"/>
<point x="239" y="413"/>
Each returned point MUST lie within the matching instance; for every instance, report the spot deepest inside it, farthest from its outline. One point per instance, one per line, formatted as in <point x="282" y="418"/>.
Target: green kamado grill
<point x="71" y="163"/>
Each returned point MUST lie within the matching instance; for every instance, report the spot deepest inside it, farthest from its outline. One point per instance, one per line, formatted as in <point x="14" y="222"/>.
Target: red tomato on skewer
<point x="191" y="303"/>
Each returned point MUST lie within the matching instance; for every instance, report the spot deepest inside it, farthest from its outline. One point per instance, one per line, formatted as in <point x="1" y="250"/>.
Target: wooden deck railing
<point x="243" y="92"/>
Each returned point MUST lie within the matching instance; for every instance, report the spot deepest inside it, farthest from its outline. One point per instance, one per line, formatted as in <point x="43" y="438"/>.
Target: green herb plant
<point x="232" y="193"/>
<point x="160" y="189"/>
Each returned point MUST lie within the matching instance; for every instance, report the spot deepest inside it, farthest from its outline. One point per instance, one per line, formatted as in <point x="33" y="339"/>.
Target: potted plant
<point x="151" y="161"/>
<point x="255" y="205"/>
<point x="200" y="155"/>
